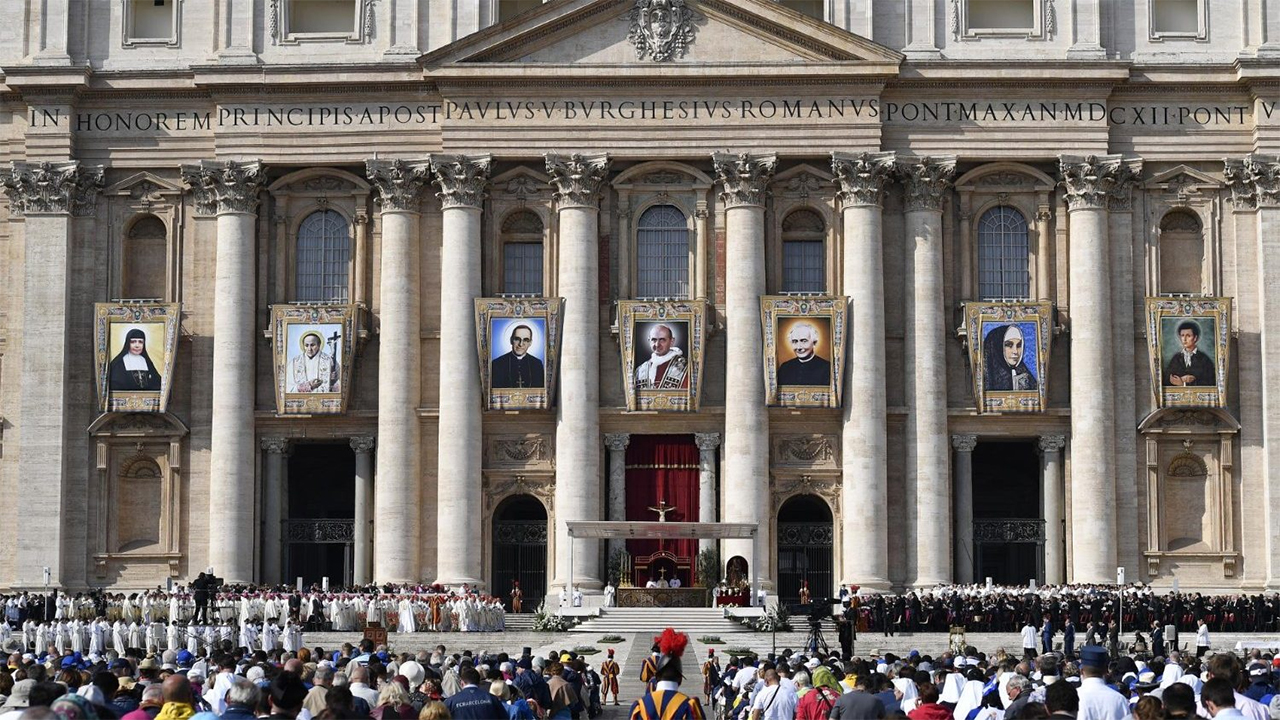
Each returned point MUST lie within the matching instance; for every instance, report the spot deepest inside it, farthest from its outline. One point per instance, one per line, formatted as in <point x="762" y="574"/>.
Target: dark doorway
<point x="520" y="550"/>
<point x="1008" y="526"/>
<point x="804" y="548"/>
<point x="320" y="529"/>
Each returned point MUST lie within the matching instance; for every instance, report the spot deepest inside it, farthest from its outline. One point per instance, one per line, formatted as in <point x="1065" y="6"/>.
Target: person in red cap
<point x="517" y="596"/>
<point x="609" y="672"/>
<point x="805" y="595"/>
<point x="665" y="701"/>
<point x="710" y="676"/>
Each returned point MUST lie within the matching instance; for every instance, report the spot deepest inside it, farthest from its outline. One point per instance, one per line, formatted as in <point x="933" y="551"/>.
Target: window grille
<point x="324" y="257"/>
<point x="662" y="248"/>
<point x="1003" y="255"/>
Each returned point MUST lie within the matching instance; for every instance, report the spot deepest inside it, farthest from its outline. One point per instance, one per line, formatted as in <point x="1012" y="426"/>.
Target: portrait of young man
<point x="1189" y="366"/>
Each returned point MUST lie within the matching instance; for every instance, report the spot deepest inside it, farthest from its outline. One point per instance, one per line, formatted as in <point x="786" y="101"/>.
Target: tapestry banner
<point x="803" y="350"/>
<point x="312" y="347"/>
<point x="1188" y="341"/>
<point x="662" y="348"/>
<point x="518" y="341"/>
<point x="1009" y="354"/>
<point x="134" y="350"/>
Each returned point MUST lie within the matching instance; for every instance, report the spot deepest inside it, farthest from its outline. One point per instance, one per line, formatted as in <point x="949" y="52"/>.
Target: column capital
<point x="862" y="177"/>
<point x="275" y="445"/>
<point x="400" y="183"/>
<point x="617" y="442"/>
<point x="363" y="443"/>
<point x="577" y="178"/>
<point x="1094" y="181"/>
<point x="964" y="443"/>
<point x="462" y="179"/>
<point x="744" y="176"/>
<point x="1052" y="443"/>
<point x="707" y="441"/>
<point x="52" y="187"/>
<point x="225" y="186"/>
<point x="1254" y="181"/>
<point x="926" y="180"/>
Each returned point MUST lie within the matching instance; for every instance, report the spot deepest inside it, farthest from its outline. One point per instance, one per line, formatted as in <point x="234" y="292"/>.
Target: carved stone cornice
<point x="52" y="188"/>
<point x="400" y="183"/>
<point x="225" y="186"/>
<point x="964" y="443"/>
<point x="275" y="445"/>
<point x="926" y="181"/>
<point x="660" y="30"/>
<point x="1094" y="180"/>
<point x="462" y="179"/>
<point x="577" y="178"/>
<point x="707" y="441"/>
<point x="1052" y="443"/>
<point x="363" y="443"/>
<point x="862" y="177"/>
<point x="745" y="177"/>
<point x="617" y="442"/>
<point x="804" y="451"/>
<point x="1254" y="181"/>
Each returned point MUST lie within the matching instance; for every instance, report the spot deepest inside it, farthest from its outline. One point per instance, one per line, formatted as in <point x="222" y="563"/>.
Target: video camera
<point x="816" y="611"/>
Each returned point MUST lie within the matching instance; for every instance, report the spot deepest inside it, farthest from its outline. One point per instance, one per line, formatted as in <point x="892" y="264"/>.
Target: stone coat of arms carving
<point x="661" y="30"/>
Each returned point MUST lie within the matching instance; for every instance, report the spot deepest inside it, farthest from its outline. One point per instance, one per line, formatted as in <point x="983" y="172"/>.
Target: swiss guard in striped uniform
<point x="665" y="701"/>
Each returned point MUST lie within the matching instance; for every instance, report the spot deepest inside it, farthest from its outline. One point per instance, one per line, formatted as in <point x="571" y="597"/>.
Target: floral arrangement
<point x="546" y="621"/>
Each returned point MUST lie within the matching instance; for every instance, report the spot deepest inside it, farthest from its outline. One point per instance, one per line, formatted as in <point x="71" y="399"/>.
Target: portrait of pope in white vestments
<point x="315" y="368"/>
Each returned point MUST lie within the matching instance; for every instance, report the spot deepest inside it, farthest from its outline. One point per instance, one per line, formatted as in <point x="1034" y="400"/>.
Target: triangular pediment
<point x="726" y="33"/>
<point x="145" y="185"/>
<point x="1183" y="176"/>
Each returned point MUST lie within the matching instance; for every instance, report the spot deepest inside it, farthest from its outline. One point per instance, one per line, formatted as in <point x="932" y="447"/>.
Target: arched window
<point x="1003" y="258"/>
<point x="804" y="255"/>
<point x="522" y="254"/>
<point x="1181" y="253"/>
<point x="662" y="250"/>
<point x="324" y="255"/>
<point x="144" y="258"/>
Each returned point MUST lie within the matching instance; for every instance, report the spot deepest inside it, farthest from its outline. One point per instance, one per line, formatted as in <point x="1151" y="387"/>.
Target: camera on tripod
<point x="816" y="611"/>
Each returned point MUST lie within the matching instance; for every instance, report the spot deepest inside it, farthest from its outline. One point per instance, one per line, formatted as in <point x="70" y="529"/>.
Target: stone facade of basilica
<point x="398" y="159"/>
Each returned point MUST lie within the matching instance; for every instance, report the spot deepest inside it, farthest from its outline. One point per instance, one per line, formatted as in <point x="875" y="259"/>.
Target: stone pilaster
<point x="230" y="190"/>
<point x="864" y="492"/>
<point x="577" y="180"/>
<point x="459" y="547"/>
<point x="1090" y="182"/>
<point x="47" y="196"/>
<point x="963" y="504"/>
<point x="707" y="511"/>
<point x="362" y="573"/>
<point x="927" y="182"/>
<point x="744" y="178"/>
<point x="1051" y="492"/>
<point x="272" y="507"/>
<point x="617" y="445"/>
<point x="1255" y="185"/>
<point x="396" y="532"/>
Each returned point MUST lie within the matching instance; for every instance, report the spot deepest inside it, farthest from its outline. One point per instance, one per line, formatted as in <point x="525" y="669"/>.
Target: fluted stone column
<point x="864" y="491"/>
<point x="578" y="180"/>
<point x="230" y="190"/>
<point x="46" y="196"/>
<point x="1051" y="491"/>
<point x="927" y="182"/>
<point x="963" y="499"/>
<point x="1089" y="183"/>
<point x="745" y="178"/>
<point x="1255" y="186"/>
<point x="362" y="573"/>
<point x="396" y="504"/>
<point x="707" y="512"/>
<point x="272" y="507"/>
<point x="617" y="445"/>
<point x="459" y="549"/>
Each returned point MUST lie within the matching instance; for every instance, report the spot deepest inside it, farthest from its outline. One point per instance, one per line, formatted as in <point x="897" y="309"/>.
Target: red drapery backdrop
<point x="663" y="468"/>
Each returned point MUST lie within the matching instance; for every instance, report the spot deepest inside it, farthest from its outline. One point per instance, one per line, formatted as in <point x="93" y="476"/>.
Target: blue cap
<point x="68" y="662"/>
<point x="1094" y="656"/>
<point x="185" y="657"/>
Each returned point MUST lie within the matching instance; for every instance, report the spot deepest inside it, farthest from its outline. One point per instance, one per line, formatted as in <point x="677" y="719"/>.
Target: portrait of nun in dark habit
<point x="1004" y="353"/>
<point x="132" y="370"/>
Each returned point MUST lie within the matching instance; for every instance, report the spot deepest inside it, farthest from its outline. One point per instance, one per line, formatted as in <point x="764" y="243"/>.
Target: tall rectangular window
<point x="662" y="253"/>
<point x="324" y="257"/>
<point x="804" y="266"/>
<point x="522" y="268"/>
<point x="1003" y="255"/>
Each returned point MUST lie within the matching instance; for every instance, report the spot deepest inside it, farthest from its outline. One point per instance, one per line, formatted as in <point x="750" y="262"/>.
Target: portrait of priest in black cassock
<point x="518" y="368"/>
<point x="807" y="367"/>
